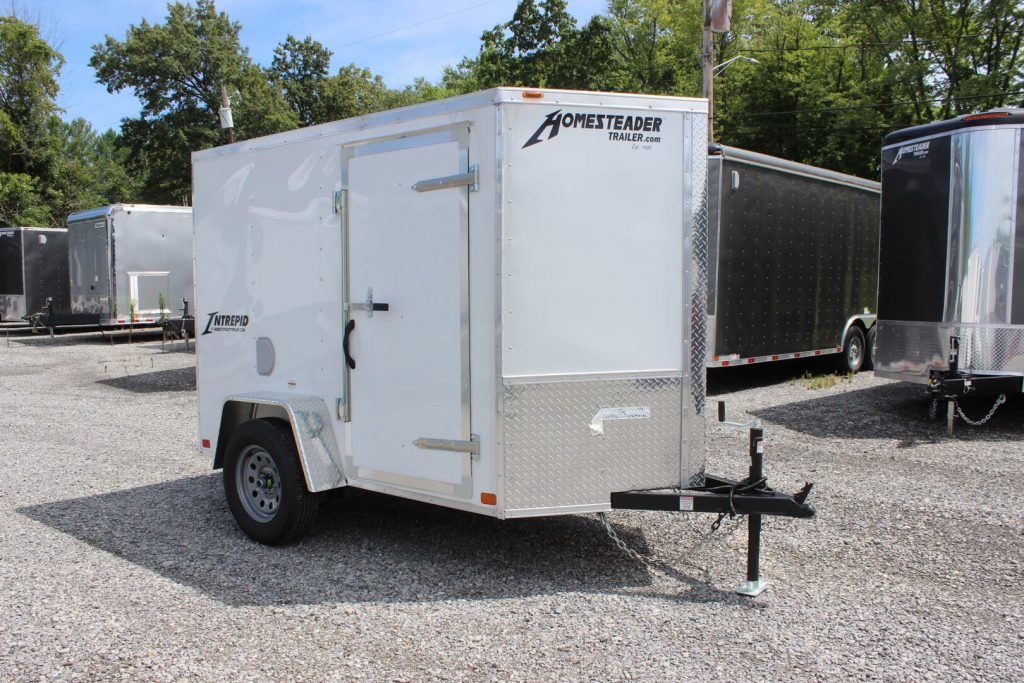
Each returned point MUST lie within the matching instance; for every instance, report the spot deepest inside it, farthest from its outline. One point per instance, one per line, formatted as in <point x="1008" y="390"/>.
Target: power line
<point x="417" y="24"/>
<point x="862" y="45"/>
<point x="877" y="105"/>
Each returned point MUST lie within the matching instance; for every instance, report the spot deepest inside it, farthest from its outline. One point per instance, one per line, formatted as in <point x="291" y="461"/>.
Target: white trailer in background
<point x="493" y="303"/>
<point x="125" y="259"/>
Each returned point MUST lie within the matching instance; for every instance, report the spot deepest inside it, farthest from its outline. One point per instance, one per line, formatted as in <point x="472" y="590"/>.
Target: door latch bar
<point x="472" y="179"/>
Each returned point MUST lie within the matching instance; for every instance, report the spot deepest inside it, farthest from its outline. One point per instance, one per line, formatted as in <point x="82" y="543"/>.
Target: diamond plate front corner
<point x="554" y="458"/>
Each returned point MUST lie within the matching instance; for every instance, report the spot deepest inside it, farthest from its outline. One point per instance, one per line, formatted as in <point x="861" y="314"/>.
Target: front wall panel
<point x="46" y="270"/>
<point x="914" y="231"/>
<point x="89" y="267"/>
<point x="593" y="243"/>
<point x="153" y="242"/>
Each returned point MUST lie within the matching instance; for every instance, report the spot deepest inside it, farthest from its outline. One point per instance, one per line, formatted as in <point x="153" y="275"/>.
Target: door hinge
<point x="339" y="201"/>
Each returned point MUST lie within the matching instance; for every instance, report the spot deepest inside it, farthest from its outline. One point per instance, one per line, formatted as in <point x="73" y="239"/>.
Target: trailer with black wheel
<point x="951" y="267"/>
<point x="33" y="271"/>
<point x="793" y="263"/>
<point x="416" y="302"/>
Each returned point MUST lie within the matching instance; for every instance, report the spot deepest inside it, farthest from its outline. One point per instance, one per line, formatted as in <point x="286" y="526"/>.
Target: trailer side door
<point x="407" y="311"/>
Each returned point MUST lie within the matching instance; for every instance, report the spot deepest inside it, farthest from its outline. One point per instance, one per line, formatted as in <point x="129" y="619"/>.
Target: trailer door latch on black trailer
<point x="751" y="496"/>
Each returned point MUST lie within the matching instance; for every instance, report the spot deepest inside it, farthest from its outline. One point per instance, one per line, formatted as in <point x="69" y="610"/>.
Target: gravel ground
<point x="119" y="558"/>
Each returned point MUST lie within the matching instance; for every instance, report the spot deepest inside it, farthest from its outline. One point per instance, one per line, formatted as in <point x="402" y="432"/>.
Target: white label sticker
<point x="624" y="413"/>
<point x="686" y="503"/>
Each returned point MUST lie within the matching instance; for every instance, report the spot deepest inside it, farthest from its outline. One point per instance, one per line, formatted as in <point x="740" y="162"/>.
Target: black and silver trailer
<point x="951" y="265"/>
<point x="33" y="268"/>
<point x="793" y="261"/>
<point x="130" y="264"/>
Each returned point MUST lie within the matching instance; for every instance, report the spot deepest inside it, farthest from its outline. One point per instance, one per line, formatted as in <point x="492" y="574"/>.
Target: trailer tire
<point x="264" y="485"/>
<point x="854" y="350"/>
<point x="872" y="344"/>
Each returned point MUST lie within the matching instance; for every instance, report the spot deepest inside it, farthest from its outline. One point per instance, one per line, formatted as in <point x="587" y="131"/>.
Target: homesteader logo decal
<point x="225" y="323"/>
<point x="619" y="127"/>
<point x="915" y="151"/>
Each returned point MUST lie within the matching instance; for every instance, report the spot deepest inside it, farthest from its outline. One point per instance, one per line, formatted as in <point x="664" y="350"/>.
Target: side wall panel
<point x="797" y="257"/>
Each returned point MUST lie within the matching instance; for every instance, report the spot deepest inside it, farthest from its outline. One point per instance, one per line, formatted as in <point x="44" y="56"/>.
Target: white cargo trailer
<point x="494" y="302"/>
<point x="124" y="260"/>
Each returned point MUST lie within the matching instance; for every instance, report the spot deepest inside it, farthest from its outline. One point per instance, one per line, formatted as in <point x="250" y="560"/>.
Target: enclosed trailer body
<point x="493" y="302"/>
<point x="793" y="260"/>
<point x="33" y="269"/>
<point x="125" y="257"/>
<point x="951" y="268"/>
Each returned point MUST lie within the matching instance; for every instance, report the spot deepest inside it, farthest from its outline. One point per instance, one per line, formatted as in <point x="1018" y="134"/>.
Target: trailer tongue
<point x="750" y="496"/>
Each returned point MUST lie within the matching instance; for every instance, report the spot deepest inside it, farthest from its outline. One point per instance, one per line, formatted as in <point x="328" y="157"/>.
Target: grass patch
<point x="813" y="382"/>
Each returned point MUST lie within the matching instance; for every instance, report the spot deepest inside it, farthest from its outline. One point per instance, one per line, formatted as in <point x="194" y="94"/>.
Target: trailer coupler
<point x="751" y="496"/>
<point x="952" y="384"/>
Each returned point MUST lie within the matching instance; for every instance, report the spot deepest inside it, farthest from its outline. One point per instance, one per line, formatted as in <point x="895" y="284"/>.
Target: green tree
<point x="177" y="69"/>
<point x="29" y="124"/>
<point x="540" y="46"/>
<point x="301" y="68"/>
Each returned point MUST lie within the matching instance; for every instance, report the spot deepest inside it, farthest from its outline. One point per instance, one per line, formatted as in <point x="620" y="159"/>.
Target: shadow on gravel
<point x="726" y="380"/>
<point x="365" y="548"/>
<point x="177" y="379"/>
<point x="896" y="410"/>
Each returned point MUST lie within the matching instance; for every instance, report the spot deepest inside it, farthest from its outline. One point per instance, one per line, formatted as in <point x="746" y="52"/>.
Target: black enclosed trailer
<point x="951" y="268"/>
<point x="33" y="268"/>
<point x="793" y="261"/>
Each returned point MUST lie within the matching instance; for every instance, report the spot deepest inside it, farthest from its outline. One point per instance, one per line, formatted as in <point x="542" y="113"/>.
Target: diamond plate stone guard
<point x="552" y="458"/>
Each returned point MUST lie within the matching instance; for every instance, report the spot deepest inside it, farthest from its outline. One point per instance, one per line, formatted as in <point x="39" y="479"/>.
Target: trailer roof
<point x="767" y="161"/>
<point x="105" y="211"/>
<point x="28" y="227"/>
<point x="449" y="105"/>
<point x="992" y="117"/>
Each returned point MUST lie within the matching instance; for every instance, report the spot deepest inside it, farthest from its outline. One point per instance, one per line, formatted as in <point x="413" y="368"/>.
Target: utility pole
<point x="708" y="49"/>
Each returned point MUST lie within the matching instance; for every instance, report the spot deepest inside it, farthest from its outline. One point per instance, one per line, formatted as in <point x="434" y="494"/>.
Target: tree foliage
<point x="832" y="78"/>
<point x="177" y="70"/>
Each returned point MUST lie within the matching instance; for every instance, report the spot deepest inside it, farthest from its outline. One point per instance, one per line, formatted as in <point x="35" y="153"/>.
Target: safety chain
<point x="661" y="565"/>
<point x="933" y="409"/>
<point x="995" y="406"/>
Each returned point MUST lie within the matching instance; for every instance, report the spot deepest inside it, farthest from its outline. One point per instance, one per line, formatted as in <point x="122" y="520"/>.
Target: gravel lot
<point x="119" y="558"/>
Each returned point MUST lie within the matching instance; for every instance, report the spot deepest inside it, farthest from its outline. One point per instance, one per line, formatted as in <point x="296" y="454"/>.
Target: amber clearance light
<point x="532" y="95"/>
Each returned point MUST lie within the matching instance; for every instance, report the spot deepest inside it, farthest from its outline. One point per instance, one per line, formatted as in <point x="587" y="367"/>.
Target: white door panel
<point x="409" y="247"/>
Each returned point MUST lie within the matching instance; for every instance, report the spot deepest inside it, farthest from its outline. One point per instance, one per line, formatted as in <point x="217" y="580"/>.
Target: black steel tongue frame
<point x="751" y="496"/>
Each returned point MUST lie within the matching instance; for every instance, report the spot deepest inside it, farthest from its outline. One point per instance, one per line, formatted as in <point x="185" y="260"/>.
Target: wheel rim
<point x="855" y="353"/>
<point x="258" y="483"/>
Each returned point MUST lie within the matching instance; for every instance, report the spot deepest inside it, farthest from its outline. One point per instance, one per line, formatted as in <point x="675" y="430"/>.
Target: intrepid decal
<point x="916" y="151"/>
<point x="620" y="127"/>
<point x="225" y="323"/>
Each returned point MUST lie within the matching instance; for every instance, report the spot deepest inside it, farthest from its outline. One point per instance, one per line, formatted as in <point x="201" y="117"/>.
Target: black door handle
<point x="351" y="325"/>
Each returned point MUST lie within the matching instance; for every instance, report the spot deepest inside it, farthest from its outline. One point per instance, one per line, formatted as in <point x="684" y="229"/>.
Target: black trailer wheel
<point x="854" y="350"/>
<point x="264" y="485"/>
<point x="872" y="349"/>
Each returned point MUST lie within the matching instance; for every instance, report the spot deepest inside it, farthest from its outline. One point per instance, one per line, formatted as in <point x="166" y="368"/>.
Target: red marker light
<point x="206" y="443"/>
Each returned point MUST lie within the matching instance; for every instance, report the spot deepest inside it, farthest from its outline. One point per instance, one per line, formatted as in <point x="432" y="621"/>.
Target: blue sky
<point x="419" y="40"/>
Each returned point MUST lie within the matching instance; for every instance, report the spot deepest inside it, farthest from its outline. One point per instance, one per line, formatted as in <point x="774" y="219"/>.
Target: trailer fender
<point x="311" y="426"/>
<point x="865" y="320"/>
